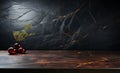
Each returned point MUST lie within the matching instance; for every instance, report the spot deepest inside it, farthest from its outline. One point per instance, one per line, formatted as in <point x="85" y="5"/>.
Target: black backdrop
<point x="94" y="27"/>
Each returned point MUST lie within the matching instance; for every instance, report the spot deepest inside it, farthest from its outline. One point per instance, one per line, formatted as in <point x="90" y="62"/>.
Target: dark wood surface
<point x="60" y="59"/>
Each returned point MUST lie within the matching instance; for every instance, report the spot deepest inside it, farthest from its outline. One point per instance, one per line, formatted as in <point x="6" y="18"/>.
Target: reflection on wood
<point x="60" y="59"/>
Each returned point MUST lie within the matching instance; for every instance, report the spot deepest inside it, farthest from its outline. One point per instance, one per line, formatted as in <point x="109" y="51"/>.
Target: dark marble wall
<point x="95" y="26"/>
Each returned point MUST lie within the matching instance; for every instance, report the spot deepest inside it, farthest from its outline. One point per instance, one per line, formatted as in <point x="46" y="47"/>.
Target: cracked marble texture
<point x="59" y="24"/>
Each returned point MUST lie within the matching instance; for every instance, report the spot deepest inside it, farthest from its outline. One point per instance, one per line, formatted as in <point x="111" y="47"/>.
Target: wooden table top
<point x="60" y="59"/>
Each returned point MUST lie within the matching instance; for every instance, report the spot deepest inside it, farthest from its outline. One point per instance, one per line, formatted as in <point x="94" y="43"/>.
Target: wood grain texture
<point x="60" y="59"/>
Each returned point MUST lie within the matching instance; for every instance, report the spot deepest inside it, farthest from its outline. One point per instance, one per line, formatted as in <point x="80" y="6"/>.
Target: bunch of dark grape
<point x="16" y="49"/>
